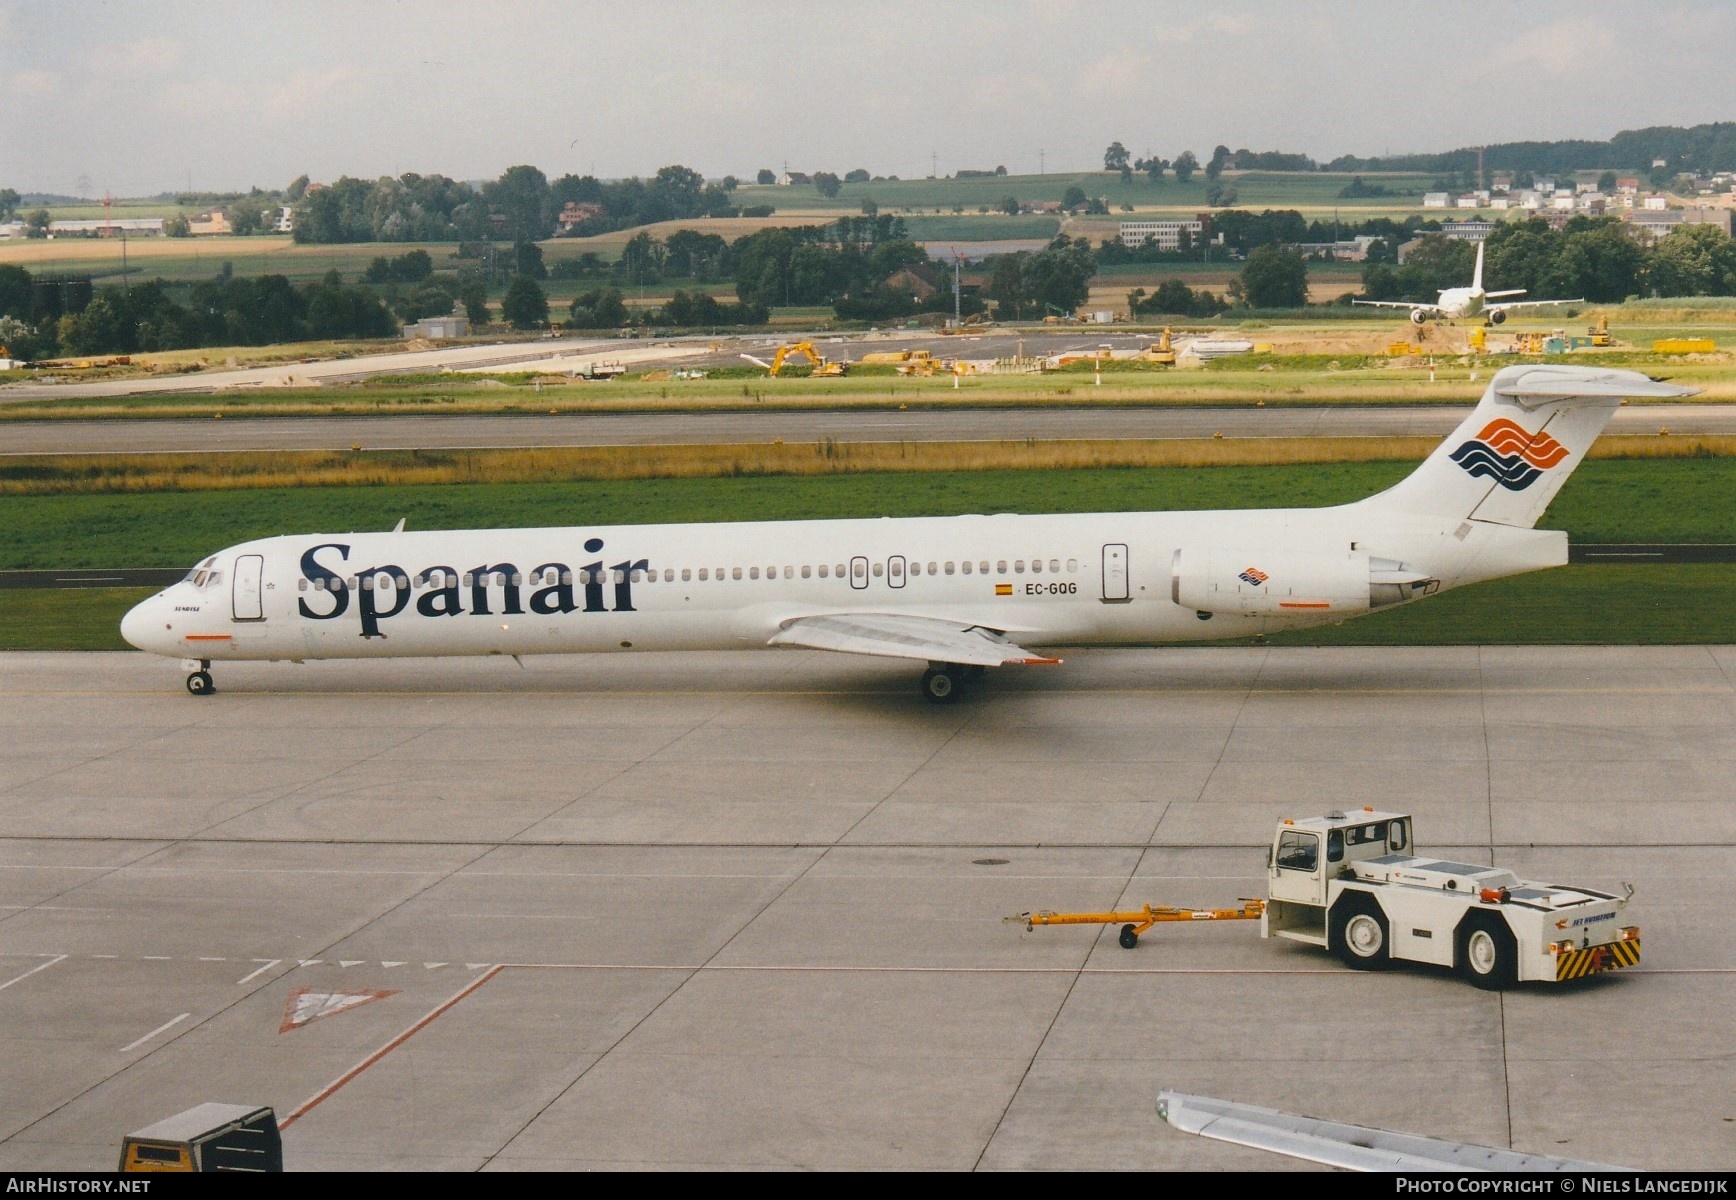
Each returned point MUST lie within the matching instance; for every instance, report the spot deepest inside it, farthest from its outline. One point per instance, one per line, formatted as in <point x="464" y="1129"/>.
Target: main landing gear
<point x="199" y="681"/>
<point x="944" y="683"/>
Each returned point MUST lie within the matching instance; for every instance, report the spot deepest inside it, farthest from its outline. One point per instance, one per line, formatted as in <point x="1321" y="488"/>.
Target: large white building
<point x="1166" y="233"/>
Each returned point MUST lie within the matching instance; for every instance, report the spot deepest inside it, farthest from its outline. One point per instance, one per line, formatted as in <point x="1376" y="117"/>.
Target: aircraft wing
<point x="1352" y="1147"/>
<point x="897" y="635"/>
<point x="1527" y="304"/>
<point x="1399" y="304"/>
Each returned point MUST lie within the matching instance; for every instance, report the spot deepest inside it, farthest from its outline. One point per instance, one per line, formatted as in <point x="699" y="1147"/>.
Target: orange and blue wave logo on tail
<point x="1510" y="455"/>
<point x="1253" y="576"/>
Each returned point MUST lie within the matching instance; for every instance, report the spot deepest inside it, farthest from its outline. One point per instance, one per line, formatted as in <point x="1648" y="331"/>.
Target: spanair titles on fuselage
<point x="958" y="593"/>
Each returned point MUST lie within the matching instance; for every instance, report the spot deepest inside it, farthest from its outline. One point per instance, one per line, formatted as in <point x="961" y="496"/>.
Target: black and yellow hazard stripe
<point x="1576" y="964"/>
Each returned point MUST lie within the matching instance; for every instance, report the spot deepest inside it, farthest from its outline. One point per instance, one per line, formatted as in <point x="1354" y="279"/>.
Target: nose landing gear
<point x="199" y="681"/>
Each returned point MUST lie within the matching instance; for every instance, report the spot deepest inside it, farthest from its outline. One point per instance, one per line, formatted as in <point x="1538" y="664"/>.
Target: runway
<point x="639" y="429"/>
<point x="745" y="910"/>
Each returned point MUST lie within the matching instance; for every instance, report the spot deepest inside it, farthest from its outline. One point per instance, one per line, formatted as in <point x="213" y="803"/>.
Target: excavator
<point x="822" y="365"/>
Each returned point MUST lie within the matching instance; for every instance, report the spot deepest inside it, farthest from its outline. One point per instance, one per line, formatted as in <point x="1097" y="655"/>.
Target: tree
<point x="1073" y="197"/>
<point x="296" y="190"/>
<point x="521" y="194"/>
<point x="1115" y="157"/>
<point x="247" y="215"/>
<point x="1220" y="157"/>
<point x="1010" y="206"/>
<point x="1153" y="167"/>
<point x="475" y="299"/>
<point x="601" y="309"/>
<point x="525" y="305"/>
<point x="1606" y="183"/>
<point x="1185" y="165"/>
<point x="826" y="183"/>
<point x="15" y="298"/>
<point x="859" y="175"/>
<point x="1694" y="260"/>
<point x="37" y="223"/>
<point x="8" y="204"/>
<point x="528" y="259"/>
<point x="177" y="226"/>
<point x="1274" y="278"/>
<point x="729" y="183"/>
<point x="764" y="177"/>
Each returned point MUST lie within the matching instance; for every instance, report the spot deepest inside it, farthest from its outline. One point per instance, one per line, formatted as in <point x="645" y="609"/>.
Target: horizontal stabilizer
<point x="1555" y="383"/>
<point x="1351" y="1147"/>
<point x="896" y="635"/>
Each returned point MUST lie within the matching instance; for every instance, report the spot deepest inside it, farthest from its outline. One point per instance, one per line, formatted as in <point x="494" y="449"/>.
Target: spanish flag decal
<point x="1003" y="589"/>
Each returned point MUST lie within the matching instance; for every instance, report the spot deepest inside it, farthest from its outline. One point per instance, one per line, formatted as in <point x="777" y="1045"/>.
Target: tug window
<point x="1298" y="851"/>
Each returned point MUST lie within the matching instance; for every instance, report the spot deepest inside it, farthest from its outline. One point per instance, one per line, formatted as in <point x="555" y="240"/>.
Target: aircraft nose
<point x="139" y="624"/>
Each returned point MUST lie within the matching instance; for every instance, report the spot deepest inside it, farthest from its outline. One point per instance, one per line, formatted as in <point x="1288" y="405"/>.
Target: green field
<point x="1608" y="500"/>
<point x="1254" y="189"/>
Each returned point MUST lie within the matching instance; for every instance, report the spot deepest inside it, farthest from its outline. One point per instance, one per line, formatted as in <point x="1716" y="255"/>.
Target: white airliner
<point x="958" y="593"/>
<point x="1454" y="303"/>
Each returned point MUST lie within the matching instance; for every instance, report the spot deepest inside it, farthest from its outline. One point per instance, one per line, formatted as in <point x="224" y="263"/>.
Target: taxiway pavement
<point x="745" y="910"/>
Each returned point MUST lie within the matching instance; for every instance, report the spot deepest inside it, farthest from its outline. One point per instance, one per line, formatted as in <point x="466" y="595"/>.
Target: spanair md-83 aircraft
<point x="958" y="593"/>
<point x="1472" y="301"/>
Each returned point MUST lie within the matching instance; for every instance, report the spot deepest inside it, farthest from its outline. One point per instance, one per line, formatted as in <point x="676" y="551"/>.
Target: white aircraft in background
<point x="958" y="593"/>
<point x="1472" y="301"/>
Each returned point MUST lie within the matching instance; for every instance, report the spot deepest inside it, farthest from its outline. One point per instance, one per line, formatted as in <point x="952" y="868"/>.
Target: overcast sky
<point x="147" y="96"/>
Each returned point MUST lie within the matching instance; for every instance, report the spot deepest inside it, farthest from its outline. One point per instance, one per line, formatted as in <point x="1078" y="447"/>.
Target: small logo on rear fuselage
<point x="1253" y="576"/>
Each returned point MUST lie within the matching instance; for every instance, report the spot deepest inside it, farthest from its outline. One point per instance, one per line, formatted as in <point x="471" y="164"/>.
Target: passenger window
<point x="686" y="574"/>
<point x="807" y="571"/>
<point x="301" y="585"/>
<point x="704" y="574"/>
<point x="1054" y="566"/>
<point x="1036" y="566"/>
<point x="823" y="570"/>
<point x="983" y="567"/>
<point x="516" y="578"/>
<point x="933" y="568"/>
<point x="966" y="568"/>
<point x="1298" y="851"/>
<point x="879" y="569"/>
<point x="753" y="572"/>
<point x="637" y="575"/>
<point x="838" y="570"/>
<point x="735" y="573"/>
<point x="1000" y="566"/>
<point x="470" y="580"/>
<point x="1072" y="565"/>
<point x="948" y="568"/>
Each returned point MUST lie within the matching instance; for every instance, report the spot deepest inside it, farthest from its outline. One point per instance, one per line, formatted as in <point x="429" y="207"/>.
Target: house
<point x="1660" y="163"/>
<point x="285" y="221"/>
<point x="1592" y="204"/>
<point x="575" y="212"/>
<point x="453" y="325"/>
<point x="209" y="224"/>
<point x="1470" y="201"/>
<point x="1545" y="184"/>
<point x="102" y="227"/>
<point x="1167" y="233"/>
<point x="918" y="280"/>
<point x="1501" y="183"/>
<point x="1662" y="224"/>
<point x="1435" y="199"/>
<point x="1531" y="200"/>
<point x="1656" y="203"/>
<point x="792" y="178"/>
<point x="1627" y="185"/>
<point x="1467" y="231"/>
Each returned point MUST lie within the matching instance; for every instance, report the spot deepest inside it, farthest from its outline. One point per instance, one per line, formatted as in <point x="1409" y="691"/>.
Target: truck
<point x="1349" y="883"/>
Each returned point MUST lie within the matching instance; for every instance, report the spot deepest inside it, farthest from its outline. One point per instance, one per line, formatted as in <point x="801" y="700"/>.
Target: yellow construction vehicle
<point x="1160" y="351"/>
<point x="822" y="365"/>
<point x="1600" y="331"/>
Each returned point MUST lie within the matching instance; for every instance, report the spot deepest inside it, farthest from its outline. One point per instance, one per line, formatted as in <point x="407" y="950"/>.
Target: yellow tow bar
<point x="1137" y="922"/>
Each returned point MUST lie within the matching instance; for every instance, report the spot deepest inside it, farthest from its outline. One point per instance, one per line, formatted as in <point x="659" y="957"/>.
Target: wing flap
<point x="897" y="635"/>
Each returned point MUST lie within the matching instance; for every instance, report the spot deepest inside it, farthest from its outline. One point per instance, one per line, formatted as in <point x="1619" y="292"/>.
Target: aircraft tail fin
<point x="1477" y="275"/>
<point x="1507" y="460"/>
